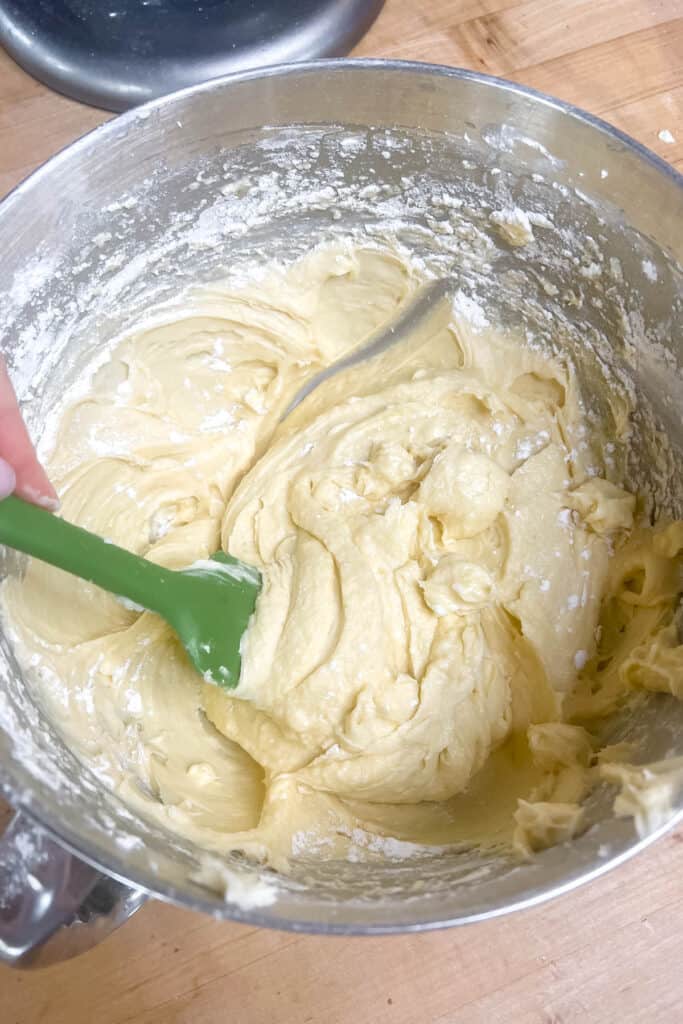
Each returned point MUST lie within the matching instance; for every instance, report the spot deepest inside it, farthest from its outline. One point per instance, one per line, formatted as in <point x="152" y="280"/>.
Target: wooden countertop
<point x="610" y="953"/>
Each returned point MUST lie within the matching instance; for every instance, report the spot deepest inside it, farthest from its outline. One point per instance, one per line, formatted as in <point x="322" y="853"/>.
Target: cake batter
<point x="457" y="586"/>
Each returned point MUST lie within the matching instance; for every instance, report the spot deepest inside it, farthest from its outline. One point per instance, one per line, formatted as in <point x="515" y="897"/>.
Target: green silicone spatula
<point x="208" y="605"/>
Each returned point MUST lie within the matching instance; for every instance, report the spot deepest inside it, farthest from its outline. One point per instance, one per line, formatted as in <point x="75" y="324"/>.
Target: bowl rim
<point x="145" y="880"/>
<point x="144" y="110"/>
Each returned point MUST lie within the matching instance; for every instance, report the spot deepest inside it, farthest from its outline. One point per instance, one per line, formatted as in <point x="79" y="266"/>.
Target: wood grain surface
<point x="608" y="954"/>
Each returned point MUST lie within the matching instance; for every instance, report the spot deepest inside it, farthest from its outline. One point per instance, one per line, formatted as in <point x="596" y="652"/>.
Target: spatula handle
<point x="43" y="535"/>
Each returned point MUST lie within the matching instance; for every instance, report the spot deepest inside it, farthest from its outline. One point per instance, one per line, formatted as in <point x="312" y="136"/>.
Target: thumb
<point x="7" y="479"/>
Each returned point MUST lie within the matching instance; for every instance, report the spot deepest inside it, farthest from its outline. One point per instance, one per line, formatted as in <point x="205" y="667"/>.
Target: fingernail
<point x="51" y="504"/>
<point x="8" y="479"/>
<point x="43" y="500"/>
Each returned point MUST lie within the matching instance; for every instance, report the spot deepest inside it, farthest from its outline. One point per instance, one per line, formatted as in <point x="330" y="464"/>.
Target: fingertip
<point x="34" y="485"/>
<point x="39" y="497"/>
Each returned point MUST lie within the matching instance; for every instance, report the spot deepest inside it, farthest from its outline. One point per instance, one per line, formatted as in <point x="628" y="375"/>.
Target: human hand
<point x="20" y="471"/>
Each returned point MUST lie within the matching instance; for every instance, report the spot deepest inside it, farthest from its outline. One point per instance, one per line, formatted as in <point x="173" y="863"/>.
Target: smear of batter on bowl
<point x="457" y="584"/>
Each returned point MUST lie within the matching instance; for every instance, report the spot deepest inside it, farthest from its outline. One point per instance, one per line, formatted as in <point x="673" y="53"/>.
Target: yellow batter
<point x="456" y="583"/>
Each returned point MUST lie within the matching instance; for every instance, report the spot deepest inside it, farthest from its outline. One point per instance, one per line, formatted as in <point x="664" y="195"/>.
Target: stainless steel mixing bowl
<point x="269" y="164"/>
